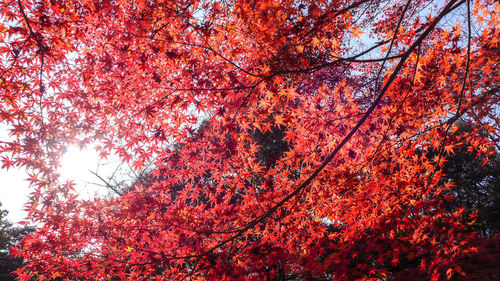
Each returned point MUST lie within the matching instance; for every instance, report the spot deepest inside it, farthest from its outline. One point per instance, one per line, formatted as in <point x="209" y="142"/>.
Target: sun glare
<point x="76" y="163"/>
<point x="79" y="166"/>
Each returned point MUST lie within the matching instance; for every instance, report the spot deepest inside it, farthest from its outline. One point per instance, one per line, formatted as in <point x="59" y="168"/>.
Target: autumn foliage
<point x="280" y="140"/>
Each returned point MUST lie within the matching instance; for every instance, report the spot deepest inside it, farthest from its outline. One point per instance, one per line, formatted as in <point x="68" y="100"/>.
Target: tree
<point x="287" y="139"/>
<point x="477" y="184"/>
<point x="9" y="236"/>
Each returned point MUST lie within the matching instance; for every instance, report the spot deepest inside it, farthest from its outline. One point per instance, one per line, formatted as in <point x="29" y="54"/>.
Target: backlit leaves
<point x="271" y="141"/>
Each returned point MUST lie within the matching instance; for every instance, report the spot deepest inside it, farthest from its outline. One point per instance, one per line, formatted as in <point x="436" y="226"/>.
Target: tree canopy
<point x="280" y="139"/>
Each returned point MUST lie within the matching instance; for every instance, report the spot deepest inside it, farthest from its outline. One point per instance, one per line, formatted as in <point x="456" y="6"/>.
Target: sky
<point x="14" y="189"/>
<point x="14" y="192"/>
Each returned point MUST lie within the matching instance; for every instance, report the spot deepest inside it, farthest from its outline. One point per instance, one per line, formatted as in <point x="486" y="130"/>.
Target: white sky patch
<point x="14" y="190"/>
<point x="80" y="166"/>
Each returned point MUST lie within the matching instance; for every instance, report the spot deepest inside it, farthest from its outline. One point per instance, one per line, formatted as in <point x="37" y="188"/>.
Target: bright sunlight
<point x="82" y="167"/>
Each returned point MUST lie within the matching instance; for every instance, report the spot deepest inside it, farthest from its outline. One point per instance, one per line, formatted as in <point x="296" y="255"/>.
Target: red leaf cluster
<point x="278" y="140"/>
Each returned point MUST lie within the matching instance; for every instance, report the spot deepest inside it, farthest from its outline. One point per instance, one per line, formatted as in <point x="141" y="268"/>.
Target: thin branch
<point x="399" y="107"/>
<point x="323" y="18"/>
<point x="392" y="42"/>
<point x="41" y="50"/>
<point x="209" y="47"/>
<point x="16" y="56"/>
<point x="467" y="65"/>
<point x="106" y="183"/>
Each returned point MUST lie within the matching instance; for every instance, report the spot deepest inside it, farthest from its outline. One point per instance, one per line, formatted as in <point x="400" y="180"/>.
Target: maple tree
<point x="287" y="139"/>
